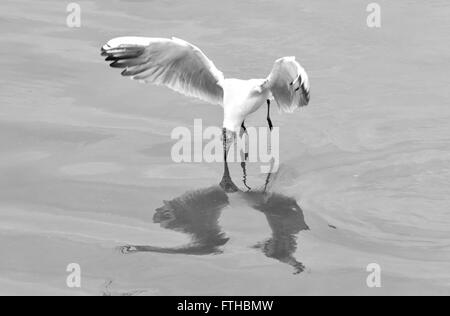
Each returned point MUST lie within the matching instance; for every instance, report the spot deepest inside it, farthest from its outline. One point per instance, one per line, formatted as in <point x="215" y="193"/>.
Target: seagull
<point x="184" y="68"/>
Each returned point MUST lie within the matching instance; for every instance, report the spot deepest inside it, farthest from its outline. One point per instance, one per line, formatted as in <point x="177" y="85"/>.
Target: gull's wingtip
<point x="103" y="50"/>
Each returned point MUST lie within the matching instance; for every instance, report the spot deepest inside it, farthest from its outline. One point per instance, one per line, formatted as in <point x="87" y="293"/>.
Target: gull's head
<point x="301" y="81"/>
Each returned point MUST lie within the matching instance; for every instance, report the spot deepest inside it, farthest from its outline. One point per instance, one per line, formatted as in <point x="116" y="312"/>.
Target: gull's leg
<point x="267" y="182"/>
<point x="244" y="131"/>
<point x="244" y="178"/>
<point x="268" y="179"/>
<point x="228" y="138"/>
<point x="268" y="115"/>
<point x="243" y="163"/>
<point x="227" y="184"/>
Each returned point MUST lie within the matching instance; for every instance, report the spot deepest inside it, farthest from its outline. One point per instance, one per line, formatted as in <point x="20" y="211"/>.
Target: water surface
<point x="86" y="174"/>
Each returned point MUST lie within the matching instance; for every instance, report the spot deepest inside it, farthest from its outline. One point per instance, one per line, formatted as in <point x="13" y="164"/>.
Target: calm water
<point x="86" y="175"/>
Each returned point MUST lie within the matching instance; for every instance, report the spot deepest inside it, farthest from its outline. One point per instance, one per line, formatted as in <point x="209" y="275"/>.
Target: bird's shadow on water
<point x="197" y="214"/>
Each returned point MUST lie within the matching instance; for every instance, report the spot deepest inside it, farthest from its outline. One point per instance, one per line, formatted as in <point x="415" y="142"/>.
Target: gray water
<point x="86" y="175"/>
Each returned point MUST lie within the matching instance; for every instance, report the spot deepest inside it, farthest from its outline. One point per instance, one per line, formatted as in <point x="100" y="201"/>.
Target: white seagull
<point x="184" y="68"/>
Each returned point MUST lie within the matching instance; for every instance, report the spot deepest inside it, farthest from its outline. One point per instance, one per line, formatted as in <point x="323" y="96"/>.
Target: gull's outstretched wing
<point x="289" y="84"/>
<point x="170" y="62"/>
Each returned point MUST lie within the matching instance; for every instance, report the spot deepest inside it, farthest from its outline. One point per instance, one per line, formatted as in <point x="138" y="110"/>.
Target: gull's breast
<point x="244" y="96"/>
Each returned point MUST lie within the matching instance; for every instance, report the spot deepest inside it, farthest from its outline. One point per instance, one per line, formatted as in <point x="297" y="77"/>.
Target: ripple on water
<point x="181" y="171"/>
<point x="90" y="169"/>
<point x="397" y="203"/>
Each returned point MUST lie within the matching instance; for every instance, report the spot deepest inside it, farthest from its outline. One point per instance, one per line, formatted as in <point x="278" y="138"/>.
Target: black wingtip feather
<point x="125" y="73"/>
<point x="306" y="94"/>
<point x="116" y="64"/>
<point x="119" y="53"/>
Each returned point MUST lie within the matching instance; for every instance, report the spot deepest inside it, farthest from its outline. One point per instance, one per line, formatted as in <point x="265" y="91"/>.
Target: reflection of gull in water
<point x="197" y="214"/>
<point x="286" y="220"/>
